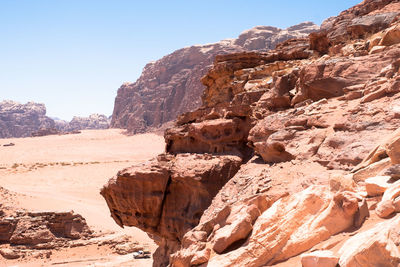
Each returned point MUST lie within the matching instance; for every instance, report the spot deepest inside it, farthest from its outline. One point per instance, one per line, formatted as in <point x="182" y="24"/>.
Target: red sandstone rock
<point x="362" y="20"/>
<point x="310" y="119"/>
<point x="171" y="85"/>
<point x="37" y="228"/>
<point x="166" y="197"/>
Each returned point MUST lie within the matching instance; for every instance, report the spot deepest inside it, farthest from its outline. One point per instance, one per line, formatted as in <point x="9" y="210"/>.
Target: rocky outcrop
<point x="42" y="230"/>
<point x="25" y="120"/>
<point x="171" y="85"/>
<point x="305" y="124"/>
<point x="358" y="22"/>
<point x="375" y="247"/>
<point x="94" y="121"/>
<point x="21" y="120"/>
<point x="291" y="225"/>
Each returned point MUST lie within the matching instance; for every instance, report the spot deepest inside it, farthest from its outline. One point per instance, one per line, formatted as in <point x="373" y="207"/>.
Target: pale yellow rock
<point x="390" y="202"/>
<point x="375" y="247"/>
<point x="393" y="149"/>
<point x="376" y="186"/>
<point x="319" y="258"/>
<point x="292" y="225"/>
<point x="371" y="170"/>
<point x="377" y="49"/>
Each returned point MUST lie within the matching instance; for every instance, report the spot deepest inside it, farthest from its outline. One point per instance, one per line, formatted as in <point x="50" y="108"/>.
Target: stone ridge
<point x="171" y="86"/>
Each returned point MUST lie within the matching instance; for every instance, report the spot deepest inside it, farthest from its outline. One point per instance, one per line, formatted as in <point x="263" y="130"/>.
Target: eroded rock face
<point x="290" y="226"/>
<point x="358" y="22"/>
<point x="21" y="120"/>
<point x="45" y="229"/>
<point x="306" y="127"/>
<point x="171" y="85"/>
<point x="25" y="120"/>
<point x="167" y="196"/>
<point x="375" y="247"/>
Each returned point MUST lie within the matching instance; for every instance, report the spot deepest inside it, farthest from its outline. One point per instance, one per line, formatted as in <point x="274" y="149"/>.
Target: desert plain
<point x="66" y="172"/>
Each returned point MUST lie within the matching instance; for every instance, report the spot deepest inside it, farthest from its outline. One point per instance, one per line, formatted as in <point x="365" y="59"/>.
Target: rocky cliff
<point x="25" y="120"/>
<point x="292" y="158"/>
<point x="21" y="120"/>
<point x="171" y="86"/>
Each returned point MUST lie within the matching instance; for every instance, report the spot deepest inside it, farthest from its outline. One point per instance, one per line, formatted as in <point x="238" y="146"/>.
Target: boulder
<point x="392" y="171"/>
<point x="282" y="231"/>
<point x="376" y="186"/>
<point x="390" y="202"/>
<point x="9" y="254"/>
<point x="391" y="36"/>
<point x="375" y="247"/>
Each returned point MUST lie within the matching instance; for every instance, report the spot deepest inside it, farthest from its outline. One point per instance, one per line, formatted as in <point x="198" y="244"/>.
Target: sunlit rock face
<point x="21" y="120"/>
<point x="309" y="132"/>
<point x="171" y="85"/>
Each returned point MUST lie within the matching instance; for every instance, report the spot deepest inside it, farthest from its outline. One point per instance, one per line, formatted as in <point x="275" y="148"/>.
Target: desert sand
<point x="66" y="172"/>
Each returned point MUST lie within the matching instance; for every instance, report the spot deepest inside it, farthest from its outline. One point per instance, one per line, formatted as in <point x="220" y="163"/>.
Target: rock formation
<point x="27" y="234"/>
<point x="94" y="121"/>
<point x="25" y="120"/>
<point x="21" y="120"/>
<point x="309" y="133"/>
<point x="171" y="86"/>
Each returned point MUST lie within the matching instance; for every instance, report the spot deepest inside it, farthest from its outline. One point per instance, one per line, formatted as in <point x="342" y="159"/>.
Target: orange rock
<point x="292" y="225"/>
<point x="375" y="247"/>
<point x="390" y="202"/>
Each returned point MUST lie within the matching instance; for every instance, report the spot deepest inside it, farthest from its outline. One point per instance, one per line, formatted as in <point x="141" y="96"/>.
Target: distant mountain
<point x="24" y="120"/>
<point x="21" y="120"/>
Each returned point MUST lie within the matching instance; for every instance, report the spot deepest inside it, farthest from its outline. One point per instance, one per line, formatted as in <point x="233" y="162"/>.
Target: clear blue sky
<point x="73" y="55"/>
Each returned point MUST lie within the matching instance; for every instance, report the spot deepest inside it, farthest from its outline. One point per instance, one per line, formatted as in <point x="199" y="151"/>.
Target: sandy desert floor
<point x="66" y="172"/>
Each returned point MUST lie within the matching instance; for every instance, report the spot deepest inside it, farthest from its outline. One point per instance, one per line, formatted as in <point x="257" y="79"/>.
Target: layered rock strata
<point x="171" y="86"/>
<point x="314" y="127"/>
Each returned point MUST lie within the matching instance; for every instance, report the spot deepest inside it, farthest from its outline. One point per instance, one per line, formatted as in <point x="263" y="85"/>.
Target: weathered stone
<point x="319" y="258"/>
<point x="390" y="202"/>
<point x="171" y="85"/>
<point x="375" y="247"/>
<point x="376" y="186"/>
<point x="166" y="197"/>
<point x="9" y="254"/>
<point x="21" y="120"/>
<point x="391" y="36"/>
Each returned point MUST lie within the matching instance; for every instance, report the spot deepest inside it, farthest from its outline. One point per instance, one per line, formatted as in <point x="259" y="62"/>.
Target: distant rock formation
<point x="171" y="85"/>
<point x="94" y="121"/>
<point x="25" y="120"/>
<point x="21" y="120"/>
